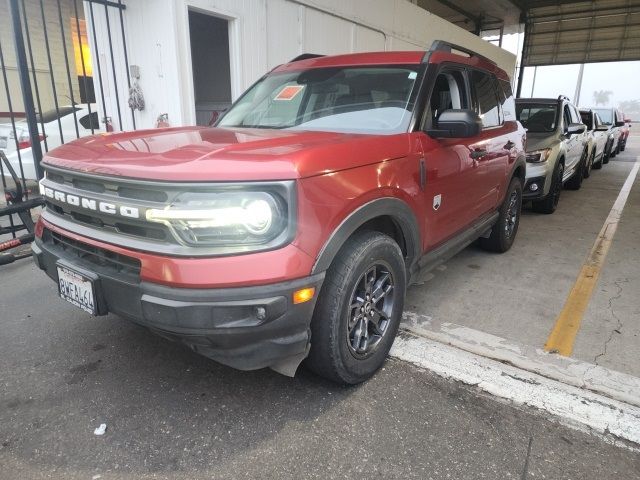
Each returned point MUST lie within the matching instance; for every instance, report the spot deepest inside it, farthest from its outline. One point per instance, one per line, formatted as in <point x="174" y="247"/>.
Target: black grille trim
<point x="94" y="255"/>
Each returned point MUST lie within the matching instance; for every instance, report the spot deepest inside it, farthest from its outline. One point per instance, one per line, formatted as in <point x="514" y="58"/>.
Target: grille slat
<point x="95" y="255"/>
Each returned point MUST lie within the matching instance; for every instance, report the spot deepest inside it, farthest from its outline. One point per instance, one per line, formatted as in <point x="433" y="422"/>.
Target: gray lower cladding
<point x="246" y="328"/>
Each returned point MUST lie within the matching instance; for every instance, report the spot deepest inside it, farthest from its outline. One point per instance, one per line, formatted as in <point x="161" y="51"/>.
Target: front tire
<point x="575" y="182"/>
<point x="589" y="166"/>
<point x="504" y="231"/>
<point x="359" y="309"/>
<point x="549" y="204"/>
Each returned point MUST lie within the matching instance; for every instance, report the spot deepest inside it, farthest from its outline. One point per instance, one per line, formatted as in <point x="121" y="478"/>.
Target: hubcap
<point x="370" y="310"/>
<point x="511" y="218"/>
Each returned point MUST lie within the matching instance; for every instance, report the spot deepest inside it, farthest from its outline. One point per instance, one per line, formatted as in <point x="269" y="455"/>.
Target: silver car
<point x="557" y="149"/>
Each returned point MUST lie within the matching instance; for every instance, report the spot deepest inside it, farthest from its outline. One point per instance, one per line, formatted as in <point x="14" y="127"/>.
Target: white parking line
<point x="574" y="406"/>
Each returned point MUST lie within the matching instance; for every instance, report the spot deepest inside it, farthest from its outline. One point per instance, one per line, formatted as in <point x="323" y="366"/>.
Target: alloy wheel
<point x="370" y="309"/>
<point x="511" y="218"/>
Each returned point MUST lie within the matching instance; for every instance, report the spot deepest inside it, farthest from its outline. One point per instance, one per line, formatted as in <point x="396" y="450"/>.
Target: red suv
<point x="291" y="230"/>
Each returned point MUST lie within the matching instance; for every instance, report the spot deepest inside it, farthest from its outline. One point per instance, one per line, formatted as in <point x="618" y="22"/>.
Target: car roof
<point x="538" y="100"/>
<point x="410" y="57"/>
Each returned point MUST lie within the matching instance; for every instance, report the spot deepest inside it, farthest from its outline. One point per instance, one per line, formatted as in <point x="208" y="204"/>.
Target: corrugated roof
<point x="584" y="32"/>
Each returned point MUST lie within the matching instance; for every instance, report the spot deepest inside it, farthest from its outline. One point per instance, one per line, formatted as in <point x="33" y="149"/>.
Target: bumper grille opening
<point x="95" y="255"/>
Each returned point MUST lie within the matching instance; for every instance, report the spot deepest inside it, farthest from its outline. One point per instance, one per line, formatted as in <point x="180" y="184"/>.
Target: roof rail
<point x="444" y="46"/>
<point x="305" y="56"/>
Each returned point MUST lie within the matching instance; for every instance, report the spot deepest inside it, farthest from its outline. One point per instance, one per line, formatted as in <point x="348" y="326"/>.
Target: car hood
<point x="225" y="154"/>
<point x="540" y="141"/>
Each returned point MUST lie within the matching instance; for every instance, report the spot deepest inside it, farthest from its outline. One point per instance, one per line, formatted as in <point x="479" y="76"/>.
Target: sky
<point x="619" y="77"/>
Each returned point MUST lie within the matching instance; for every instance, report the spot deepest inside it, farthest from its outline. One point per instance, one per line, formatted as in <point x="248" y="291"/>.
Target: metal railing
<point x="51" y="51"/>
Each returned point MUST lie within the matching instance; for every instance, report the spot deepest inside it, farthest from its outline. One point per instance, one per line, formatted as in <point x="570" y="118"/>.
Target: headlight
<point x="538" y="156"/>
<point x="232" y="218"/>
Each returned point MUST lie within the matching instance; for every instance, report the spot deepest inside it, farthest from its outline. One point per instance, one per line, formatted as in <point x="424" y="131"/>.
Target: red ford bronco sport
<point x="291" y="230"/>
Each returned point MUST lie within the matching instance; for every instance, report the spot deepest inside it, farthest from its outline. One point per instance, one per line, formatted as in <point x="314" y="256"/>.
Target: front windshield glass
<point x="605" y="115"/>
<point x="375" y="100"/>
<point x="537" y="117"/>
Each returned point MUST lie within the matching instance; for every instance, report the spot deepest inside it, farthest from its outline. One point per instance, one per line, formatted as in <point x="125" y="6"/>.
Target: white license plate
<point x="76" y="289"/>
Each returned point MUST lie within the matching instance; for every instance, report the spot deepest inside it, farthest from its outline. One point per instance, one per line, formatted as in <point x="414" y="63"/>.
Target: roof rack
<point x="564" y="97"/>
<point x="444" y="46"/>
<point x="305" y="56"/>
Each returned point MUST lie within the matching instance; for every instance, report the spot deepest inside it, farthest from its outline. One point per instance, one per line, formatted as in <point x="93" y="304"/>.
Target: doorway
<point x="209" y="37"/>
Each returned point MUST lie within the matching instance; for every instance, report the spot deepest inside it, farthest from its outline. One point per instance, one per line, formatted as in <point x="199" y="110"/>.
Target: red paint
<point x="336" y="173"/>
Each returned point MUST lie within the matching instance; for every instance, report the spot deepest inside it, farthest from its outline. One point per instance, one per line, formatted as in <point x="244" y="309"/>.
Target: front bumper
<point x="244" y="327"/>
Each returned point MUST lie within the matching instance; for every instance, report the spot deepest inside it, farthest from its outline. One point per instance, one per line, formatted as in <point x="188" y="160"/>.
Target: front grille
<point x="104" y="259"/>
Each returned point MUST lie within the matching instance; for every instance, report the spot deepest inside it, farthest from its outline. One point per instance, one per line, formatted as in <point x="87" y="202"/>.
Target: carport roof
<point x="580" y="32"/>
<point x="558" y="31"/>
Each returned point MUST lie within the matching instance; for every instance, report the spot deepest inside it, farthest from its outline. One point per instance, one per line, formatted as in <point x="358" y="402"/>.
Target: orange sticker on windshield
<point x="289" y="92"/>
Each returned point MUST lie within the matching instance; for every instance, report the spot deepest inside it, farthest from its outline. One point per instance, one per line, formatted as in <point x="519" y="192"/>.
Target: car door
<point x="450" y="192"/>
<point x="495" y="147"/>
<point x="571" y="143"/>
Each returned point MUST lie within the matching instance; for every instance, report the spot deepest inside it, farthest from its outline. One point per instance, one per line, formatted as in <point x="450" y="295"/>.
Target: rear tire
<point x="607" y="154"/>
<point x="504" y="231"/>
<point x="575" y="182"/>
<point x="549" y="204"/>
<point x="359" y="309"/>
<point x="598" y="166"/>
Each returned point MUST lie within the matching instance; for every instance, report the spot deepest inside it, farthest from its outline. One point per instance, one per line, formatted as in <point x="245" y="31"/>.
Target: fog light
<point x="533" y="187"/>
<point x="303" y="295"/>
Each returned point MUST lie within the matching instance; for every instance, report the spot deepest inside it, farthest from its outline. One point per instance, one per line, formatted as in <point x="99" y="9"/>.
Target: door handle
<point x="509" y="145"/>
<point x="475" y="154"/>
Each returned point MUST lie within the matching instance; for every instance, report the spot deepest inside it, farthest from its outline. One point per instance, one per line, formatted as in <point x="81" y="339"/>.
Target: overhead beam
<point x="474" y="18"/>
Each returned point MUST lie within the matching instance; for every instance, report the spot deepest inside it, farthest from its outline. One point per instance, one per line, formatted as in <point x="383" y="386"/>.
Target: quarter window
<point x="487" y="104"/>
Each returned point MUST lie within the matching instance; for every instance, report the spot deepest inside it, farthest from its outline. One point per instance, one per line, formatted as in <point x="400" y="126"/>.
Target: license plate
<point x="77" y="289"/>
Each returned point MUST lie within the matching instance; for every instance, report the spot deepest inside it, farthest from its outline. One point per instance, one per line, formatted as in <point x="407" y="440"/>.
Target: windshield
<point x="537" y="117"/>
<point x="605" y="115"/>
<point x="375" y="100"/>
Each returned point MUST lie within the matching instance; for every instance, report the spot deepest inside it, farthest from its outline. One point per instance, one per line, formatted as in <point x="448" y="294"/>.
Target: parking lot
<point x="173" y="414"/>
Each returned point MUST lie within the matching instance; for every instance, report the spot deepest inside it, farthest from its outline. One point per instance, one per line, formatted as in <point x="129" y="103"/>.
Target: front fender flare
<point x="395" y="208"/>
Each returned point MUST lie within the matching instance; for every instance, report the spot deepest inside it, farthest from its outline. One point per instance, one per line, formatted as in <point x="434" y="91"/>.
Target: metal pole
<point x="533" y="85"/>
<point x="525" y="38"/>
<point x="25" y="85"/>
<point x="576" y="98"/>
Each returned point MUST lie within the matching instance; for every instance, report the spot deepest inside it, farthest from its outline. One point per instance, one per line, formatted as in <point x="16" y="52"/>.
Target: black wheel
<point x="359" y="309"/>
<point x="550" y="202"/>
<point x="598" y="165"/>
<point x="589" y="166"/>
<point x="575" y="182"/>
<point x="607" y="153"/>
<point x="504" y="231"/>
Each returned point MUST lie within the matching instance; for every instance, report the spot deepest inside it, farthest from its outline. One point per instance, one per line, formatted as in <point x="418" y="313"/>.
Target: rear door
<point x="496" y="145"/>
<point x="450" y="192"/>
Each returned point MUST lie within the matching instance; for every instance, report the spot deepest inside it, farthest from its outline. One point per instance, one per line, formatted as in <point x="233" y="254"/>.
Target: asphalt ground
<point x="171" y="413"/>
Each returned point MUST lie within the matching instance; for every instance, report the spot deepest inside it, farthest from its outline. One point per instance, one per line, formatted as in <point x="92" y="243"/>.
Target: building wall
<point x="36" y="34"/>
<point x="263" y="34"/>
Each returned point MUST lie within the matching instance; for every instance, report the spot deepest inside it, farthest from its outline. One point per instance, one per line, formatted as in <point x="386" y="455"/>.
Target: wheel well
<point x="520" y="173"/>
<point x="387" y="225"/>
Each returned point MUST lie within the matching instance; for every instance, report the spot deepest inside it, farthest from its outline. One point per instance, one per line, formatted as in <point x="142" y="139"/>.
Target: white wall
<point x="265" y="33"/>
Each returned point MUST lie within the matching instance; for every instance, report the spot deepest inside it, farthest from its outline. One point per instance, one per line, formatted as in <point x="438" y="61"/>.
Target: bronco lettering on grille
<point x="89" y="203"/>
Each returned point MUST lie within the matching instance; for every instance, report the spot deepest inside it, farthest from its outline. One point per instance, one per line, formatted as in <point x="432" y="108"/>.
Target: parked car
<point x="597" y="139"/>
<point x="292" y="229"/>
<point x="50" y="136"/>
<point x="624" y="132"/>
<point x="557" y="149"/>
<point x="612" y="118"/>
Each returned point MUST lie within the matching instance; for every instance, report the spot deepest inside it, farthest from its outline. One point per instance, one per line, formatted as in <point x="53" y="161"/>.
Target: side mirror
<point x="576" y="128"/>
<point x="620" y="124"/>
<point x="602" y="128"/>
<point x="456" y="124"/>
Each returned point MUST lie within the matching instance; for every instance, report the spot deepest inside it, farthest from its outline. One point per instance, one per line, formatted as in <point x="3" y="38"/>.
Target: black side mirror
<point x="456" y="124"/>
<point x="620" y="124"/>
<point x="576" y="128"/>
